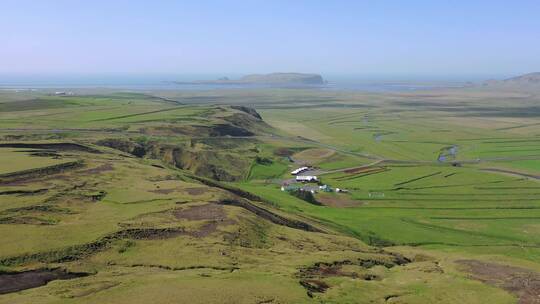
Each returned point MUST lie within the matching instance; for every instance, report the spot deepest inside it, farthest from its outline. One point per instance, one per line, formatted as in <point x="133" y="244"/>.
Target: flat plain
<point x="176" y="196"/>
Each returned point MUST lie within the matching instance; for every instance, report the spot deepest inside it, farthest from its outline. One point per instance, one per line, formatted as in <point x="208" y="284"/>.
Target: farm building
<point x="306" y="178"/>
<point x="299" y="170"/>
<point x="325" y="188"/>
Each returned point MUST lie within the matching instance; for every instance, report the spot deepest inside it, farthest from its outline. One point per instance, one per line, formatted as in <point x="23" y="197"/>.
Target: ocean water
<point x="167" y="82"/>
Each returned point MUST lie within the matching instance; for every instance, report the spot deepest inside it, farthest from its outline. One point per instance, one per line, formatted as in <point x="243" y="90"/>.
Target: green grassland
<point x="174" y="197"/>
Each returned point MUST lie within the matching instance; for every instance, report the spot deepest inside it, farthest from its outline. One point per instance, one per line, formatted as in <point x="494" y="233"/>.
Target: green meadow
<point x="127" y="197"/>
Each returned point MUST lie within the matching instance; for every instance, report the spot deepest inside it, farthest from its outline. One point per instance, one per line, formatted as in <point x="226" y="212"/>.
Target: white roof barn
<point x="299" y="170"/>
<point x="306" y="178"/>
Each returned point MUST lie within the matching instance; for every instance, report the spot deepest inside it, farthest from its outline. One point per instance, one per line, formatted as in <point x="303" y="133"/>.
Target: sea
<point x="181" y="82"/>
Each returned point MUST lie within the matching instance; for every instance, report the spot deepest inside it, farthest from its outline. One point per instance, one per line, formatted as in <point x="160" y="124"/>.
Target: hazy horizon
<point x="416" y="39"/>
<point x="137" y="82"/>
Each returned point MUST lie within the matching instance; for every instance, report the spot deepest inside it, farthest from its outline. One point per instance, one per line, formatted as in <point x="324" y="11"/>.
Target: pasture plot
<point x="500" y="147"/>
<point x="499" y="151"/>
<point x="394" y="224"/>
<point x="88" y="111"/>
<point x="267" y="171"/>
<point x="15" y="159"/>
<point x="313" y="156"/>
<point x="385" y="178"/>
<point x="519" y="226"/>
<point x="528" y="166"/>
<point x="337" y="200"/>
<point x="343" y="161"/>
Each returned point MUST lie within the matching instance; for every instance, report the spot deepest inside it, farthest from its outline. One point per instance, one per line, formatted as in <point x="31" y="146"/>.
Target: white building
<point x="306" y="178"/>
<point x="299" y="170"/>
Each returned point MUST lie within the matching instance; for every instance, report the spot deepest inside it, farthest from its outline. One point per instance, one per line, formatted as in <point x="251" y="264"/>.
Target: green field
<point x="134" y="198"/>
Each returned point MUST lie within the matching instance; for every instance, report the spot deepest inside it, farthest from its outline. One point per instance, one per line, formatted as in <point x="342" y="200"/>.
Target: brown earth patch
<point x="163" y="191"/>
<point x="213" y="213"/>
<point x="337" y="200"/>
<point x="523" y="283"/>
<point x="201" y="212"/>
<point x="17" y="281"/>
<point x="196" y="191"/>
<point x="206" y="229"/>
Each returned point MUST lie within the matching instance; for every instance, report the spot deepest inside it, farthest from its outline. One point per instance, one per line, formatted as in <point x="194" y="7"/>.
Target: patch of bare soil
<point x="163" y="191"/>
<point x="206" y="229"/>
<point x="214" y="213"/>
<point x="523" y="283"/>
<point x="201" y="212"/>
<point x="17" y="281"/>
<point x="196" y="191"/>
<point x="337" y="200"/>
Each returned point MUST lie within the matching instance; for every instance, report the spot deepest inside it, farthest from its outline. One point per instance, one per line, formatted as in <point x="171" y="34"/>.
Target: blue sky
<point x="338" y="37"/>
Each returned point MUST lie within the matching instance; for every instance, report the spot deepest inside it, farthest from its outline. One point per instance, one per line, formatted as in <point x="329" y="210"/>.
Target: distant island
<point x="295" y="79"/>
